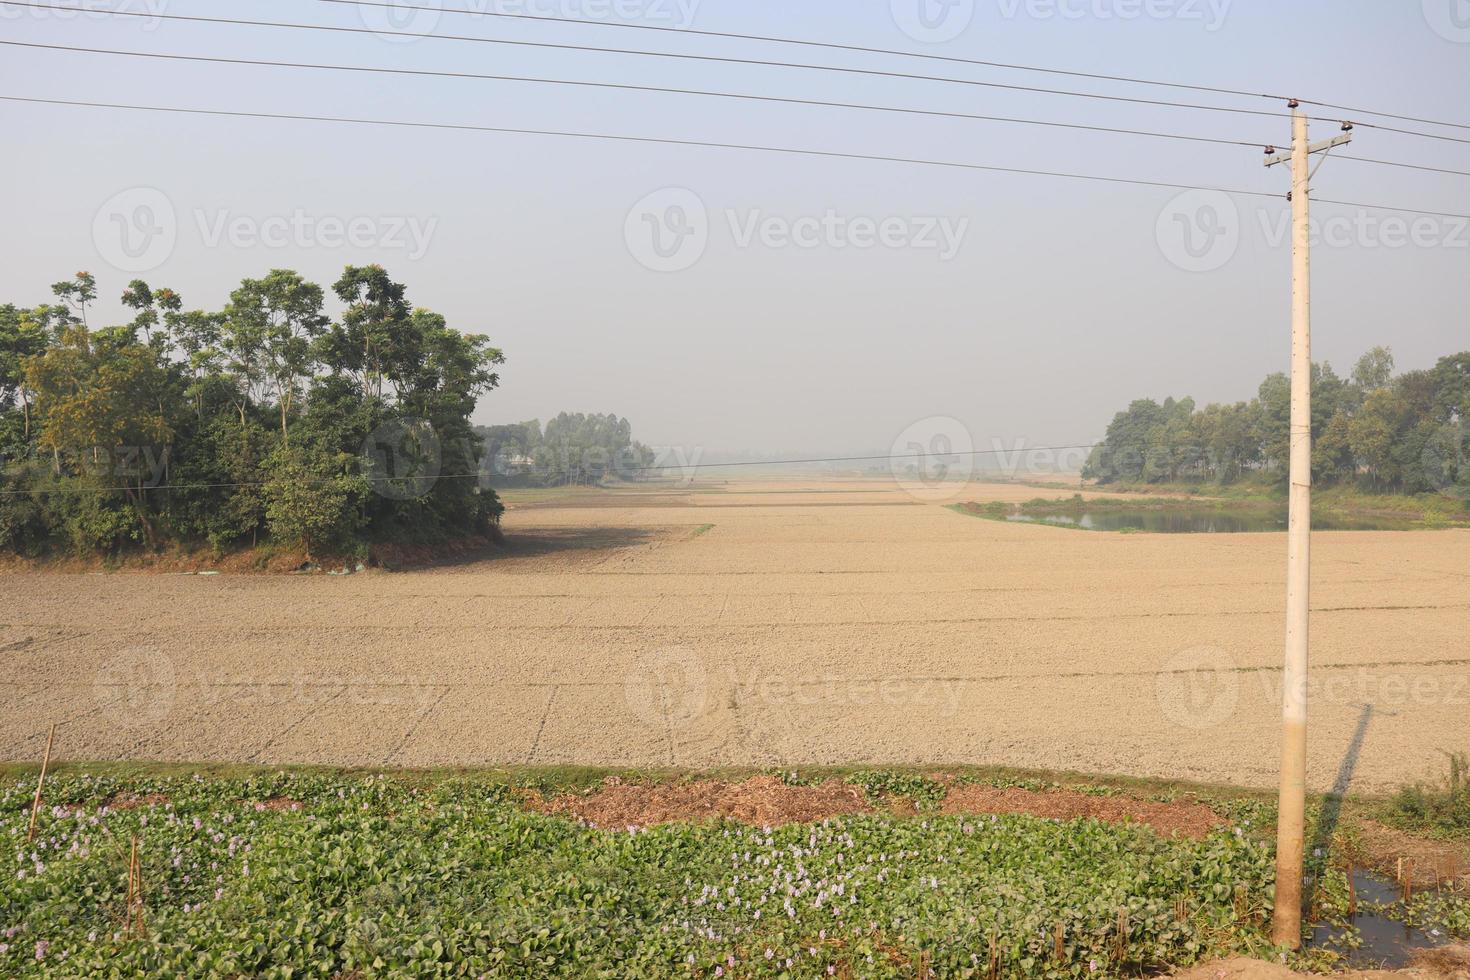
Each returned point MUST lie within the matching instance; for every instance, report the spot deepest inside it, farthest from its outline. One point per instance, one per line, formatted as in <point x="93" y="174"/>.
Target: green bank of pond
<point x="1205" y="516"/>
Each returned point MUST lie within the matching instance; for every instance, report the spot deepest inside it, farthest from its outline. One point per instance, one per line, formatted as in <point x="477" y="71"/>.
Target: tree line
<point x="1388" y="433"/>
<point x="267" y="420"/>
<point x="572" y="448"/>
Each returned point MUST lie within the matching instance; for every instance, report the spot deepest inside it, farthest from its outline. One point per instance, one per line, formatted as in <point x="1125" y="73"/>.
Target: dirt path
<point x="845" y="624"/>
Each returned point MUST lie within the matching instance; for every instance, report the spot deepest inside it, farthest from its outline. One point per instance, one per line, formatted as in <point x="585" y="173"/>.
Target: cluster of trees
<point x="1408" y="433"/>
<point x="266" y="419"/>
<point x="571" y="449"/>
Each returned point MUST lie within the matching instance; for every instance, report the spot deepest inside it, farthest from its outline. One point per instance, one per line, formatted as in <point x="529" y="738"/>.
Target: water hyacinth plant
<point x="316" y="875"/>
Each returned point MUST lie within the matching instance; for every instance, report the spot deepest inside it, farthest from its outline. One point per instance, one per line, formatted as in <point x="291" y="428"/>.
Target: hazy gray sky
<point x="815" y="304"/>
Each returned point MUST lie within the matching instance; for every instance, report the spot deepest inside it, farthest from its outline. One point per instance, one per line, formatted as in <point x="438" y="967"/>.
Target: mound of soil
<point x="760" y="801"/>
<point x="1447" y="963"/>
<point x="766" y="801"/>
<point x="1188" y="819"/>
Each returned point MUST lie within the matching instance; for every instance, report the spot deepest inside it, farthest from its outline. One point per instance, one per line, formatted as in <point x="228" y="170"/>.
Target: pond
<point x="1202" y="520"/>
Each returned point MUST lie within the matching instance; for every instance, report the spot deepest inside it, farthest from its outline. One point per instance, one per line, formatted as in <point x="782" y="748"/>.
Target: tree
<point x="1374" y="369"/>
<point x="274" y="322"/>
<point x="21" y="338"/>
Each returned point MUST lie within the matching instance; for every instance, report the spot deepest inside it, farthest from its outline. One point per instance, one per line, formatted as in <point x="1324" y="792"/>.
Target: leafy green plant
<point x="1442" y="809"/>
<point x="280" y="875"/>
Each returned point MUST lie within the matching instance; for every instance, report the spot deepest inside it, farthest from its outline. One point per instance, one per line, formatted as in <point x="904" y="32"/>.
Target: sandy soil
<point x="842" y="623"/>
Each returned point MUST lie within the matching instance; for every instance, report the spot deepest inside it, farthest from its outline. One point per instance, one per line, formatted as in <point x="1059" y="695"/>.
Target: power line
<point x="643" y="139"/>
<point x="624" y="469"/>
<point x="1385" y="115"/>
<point x="1379" y="207"/>
<point x="1391" y="129"/>
<point x="829" y="45"/>
<point x="1407" y="166"/>
<point x="397" y="5"/>
<point x="834" y="154"/>
<point x="675" y="55"/>
<point x="636" y="88"/>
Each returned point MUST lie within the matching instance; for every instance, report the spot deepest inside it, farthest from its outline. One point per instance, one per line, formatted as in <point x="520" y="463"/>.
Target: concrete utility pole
<point x="1286" y="925"/>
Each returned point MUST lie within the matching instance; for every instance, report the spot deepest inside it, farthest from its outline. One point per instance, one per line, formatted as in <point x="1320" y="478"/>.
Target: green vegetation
<point x="264" y="420"/>
<point x="452" y="878"/>
<point x="1442" y="810"/>
<point x="250" y="871"/>
<point x="1338" y="508"/>
<point x="1384" y="434"/>
<point x="573" y="449"/>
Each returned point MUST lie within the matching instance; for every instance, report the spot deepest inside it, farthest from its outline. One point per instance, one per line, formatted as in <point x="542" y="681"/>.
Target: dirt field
<point x="839" y="623"/>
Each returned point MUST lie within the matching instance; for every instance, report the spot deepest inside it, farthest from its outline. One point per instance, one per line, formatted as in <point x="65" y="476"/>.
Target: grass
<point x="444" y="873"/>
<point x="1439" y="810"/>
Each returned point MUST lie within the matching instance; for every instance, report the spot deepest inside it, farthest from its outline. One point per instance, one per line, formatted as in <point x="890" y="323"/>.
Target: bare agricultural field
<point x="764" y="624"/>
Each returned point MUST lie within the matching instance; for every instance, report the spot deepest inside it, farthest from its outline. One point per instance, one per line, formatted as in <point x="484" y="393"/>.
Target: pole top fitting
<point x="1347" y="126"/>
<point x="1293" y="104"/>
<point x="1270" y="149"/>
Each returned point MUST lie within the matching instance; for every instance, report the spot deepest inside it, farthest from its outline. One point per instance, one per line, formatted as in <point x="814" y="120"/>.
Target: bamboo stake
<point x="142" y="902"/>
<point x="994" y="955"/>
<point x="132" y="883"/>
<point x="1352" y="894"/>
<point x="36" y="803"/>
<point x="1060" y="949"/>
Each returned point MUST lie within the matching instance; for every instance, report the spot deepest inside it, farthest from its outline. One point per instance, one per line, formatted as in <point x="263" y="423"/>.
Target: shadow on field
<point x="543" y="542"/>
<point x="1332" y="803"/>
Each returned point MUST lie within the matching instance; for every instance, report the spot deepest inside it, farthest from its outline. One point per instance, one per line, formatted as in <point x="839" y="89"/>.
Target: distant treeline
<point x="1403" y="434"/>
<point x="265" y="419"/>
<point x="571" y="449"/>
